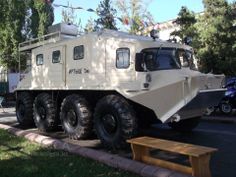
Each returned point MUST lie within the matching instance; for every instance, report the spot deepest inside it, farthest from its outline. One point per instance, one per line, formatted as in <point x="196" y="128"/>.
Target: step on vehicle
<point x="112" y="82"/>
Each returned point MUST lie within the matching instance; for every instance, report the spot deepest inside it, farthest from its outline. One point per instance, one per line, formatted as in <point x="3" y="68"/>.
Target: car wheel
<point x="226" y="108"/>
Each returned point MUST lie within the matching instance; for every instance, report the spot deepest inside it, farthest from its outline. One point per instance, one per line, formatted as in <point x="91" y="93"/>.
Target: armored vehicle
<point x="111" y="82"/>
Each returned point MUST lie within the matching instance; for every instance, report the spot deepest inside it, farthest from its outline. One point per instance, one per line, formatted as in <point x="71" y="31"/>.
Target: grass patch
<point x="19" y="157"/>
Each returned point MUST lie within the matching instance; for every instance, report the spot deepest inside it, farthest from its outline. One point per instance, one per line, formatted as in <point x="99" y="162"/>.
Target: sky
<point x="162" y="10"/>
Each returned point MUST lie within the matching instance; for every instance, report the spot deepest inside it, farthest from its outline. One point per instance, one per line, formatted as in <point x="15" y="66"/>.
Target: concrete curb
<point x="103" y="157"/>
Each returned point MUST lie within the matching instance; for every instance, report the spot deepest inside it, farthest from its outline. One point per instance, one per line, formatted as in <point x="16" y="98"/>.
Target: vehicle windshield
<point x="166" y="59"/>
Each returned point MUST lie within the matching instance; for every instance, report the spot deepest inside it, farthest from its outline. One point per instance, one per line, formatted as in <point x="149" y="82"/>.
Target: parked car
<point x="228" y="103"/>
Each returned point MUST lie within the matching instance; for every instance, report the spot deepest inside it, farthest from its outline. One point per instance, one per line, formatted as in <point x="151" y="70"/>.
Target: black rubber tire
<point x="186" y="125"/>
<point x="45" y="113"/>
<point x="24" y="109"/>
<point x="222" y="108"/>
<point x="76" y="117"/>
<point x="115" y="122"/>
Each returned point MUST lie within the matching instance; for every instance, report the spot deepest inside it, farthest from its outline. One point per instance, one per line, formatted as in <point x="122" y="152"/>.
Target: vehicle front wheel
<point x="45" y="113"/>
<point x="24" y="109"/>
<point x="114" y="121"/>
<point x="226" y="108"/>
<point x="186" y="125"/>
<point x="76" y="117"/>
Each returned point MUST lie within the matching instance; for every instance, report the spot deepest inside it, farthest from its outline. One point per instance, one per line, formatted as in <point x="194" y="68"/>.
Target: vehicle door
<point x="56" y="72"/>
<point x="119" y="61"/>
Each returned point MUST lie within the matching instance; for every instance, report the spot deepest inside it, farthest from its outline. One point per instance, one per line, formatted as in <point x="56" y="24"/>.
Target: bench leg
<point x="200" y="166"/>
<point x="139" y="151"/>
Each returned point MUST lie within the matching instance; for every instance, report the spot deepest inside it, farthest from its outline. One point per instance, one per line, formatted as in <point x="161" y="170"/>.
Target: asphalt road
<point x="209" y="133"/>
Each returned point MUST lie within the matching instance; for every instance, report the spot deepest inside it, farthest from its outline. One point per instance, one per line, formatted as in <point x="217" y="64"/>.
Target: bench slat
<point x="172" y="146"/>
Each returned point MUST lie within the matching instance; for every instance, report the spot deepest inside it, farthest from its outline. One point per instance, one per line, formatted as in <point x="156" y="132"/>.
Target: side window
<point x="79" y="52"/>
<point x="39" y="59"/>
<point x="122" y="58"/>
<point x="56" y="56"/>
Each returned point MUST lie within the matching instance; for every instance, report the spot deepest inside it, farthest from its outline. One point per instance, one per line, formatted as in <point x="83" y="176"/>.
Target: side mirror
<point x="139" y="62"/>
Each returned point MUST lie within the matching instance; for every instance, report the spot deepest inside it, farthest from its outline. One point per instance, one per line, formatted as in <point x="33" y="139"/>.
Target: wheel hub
<point x="42" y="112"/>
<point x="109" y="123"/>
<point x="72" y="118"/>
<point x="226" y="108"/>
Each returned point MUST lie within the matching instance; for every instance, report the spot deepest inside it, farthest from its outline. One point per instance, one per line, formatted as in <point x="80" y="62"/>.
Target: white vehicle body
<point x="105" y="62"/>
<point x="168" y="92"/>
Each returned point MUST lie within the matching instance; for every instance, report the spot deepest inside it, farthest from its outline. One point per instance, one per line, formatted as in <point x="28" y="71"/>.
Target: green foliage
<point x="106" y="16"/>
<point x="186" y="20"/>
<point x="11" y="24"/>
<point x="213" y="34"/>
<point x="20" y="157"/>
<point x="69" y="16"/>
<point x="217" y="38"/>
<point x="136" y="14"/>
<point x="90" y="26"/>
<point x="44" y="10"/>
<point x="19" y="21"/>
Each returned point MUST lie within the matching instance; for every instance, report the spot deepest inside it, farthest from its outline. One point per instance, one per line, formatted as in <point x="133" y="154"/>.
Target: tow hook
<point x="175" y="118"/>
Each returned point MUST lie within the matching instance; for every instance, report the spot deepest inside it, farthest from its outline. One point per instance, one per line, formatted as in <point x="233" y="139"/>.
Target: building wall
<point x="166" y="28"/>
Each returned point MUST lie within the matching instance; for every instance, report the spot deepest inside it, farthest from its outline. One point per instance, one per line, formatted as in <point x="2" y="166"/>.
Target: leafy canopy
<point x="135" y="15"/>
<point x="21" y="20"/>
<point x="217" y="37"/>
<point x="106" y="16"/>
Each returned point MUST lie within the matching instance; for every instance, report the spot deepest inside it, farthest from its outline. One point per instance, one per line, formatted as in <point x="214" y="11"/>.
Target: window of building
<point x="39" y="59"/>
<point x="79" y="52"/>
<point x="122" y="58"/>
<point x="56" y="56"/>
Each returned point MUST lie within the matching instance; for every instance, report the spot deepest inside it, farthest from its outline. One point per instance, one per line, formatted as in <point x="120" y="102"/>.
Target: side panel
<point x="89" y="71"/>
<point x="44" y="73"/>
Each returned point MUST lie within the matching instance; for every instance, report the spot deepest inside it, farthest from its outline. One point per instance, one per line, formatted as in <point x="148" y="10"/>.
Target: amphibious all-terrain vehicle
<point x="111" y="82"/>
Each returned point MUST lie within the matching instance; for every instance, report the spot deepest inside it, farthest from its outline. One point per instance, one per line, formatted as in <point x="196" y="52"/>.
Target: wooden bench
<point x="199" y="156"/>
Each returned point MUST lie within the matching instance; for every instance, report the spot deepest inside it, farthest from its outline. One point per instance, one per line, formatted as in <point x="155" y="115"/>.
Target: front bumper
<point x="204" y="99"/>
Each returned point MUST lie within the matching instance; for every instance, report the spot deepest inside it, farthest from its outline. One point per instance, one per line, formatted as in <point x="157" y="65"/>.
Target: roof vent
<point x="64" y="29"/>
